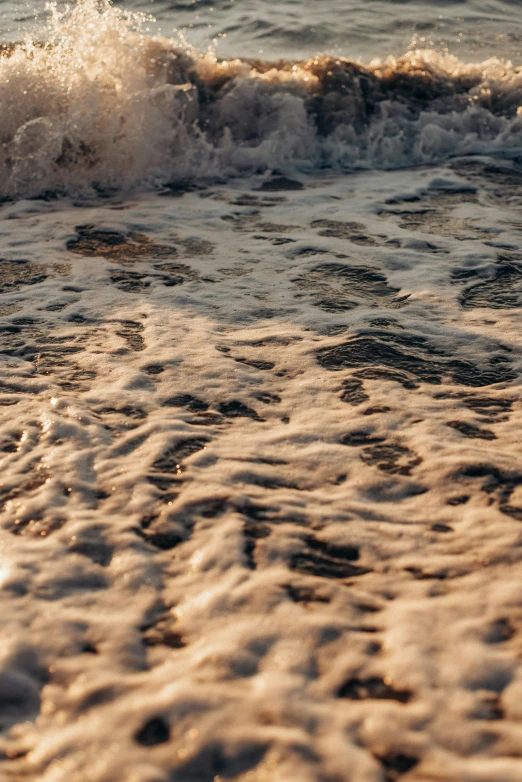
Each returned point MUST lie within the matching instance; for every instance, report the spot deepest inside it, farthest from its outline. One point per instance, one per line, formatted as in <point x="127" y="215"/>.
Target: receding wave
<point x="101" y="105"/>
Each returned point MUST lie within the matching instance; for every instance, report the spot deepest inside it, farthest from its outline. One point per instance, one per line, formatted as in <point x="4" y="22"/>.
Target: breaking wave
<point x="101" y="105"/>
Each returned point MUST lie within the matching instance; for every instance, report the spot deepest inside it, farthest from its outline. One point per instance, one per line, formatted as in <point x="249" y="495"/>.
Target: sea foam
<point x="101" y="105"/>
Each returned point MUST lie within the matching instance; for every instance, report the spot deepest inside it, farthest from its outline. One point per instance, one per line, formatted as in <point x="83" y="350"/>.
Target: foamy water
<point x="260" y="361"/>
<point x="103" y="105"/>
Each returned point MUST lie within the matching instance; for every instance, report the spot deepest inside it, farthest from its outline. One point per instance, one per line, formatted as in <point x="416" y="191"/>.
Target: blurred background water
<point x="271" y="29"/>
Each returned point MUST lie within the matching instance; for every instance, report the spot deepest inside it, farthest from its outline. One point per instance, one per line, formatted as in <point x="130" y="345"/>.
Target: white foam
<point x="102" y="105"/>
<point x="252" y="694"/>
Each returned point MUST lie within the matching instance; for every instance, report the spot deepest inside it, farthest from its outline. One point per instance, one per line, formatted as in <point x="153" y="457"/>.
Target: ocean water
<point x="249" y="28"/>
<point x="97" y="99"/>
<point x="260" y="392"/>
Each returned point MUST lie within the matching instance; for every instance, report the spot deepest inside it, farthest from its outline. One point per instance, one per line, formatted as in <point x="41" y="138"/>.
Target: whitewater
<point x="260" y="392"/>
<point x="100" y="105"/>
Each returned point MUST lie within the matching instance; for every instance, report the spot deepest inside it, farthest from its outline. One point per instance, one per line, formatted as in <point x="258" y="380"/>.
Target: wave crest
<point x="101" y="105"/>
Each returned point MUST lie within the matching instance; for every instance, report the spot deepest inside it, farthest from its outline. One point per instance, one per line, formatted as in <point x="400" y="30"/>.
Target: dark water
<point x="471" y="29"/>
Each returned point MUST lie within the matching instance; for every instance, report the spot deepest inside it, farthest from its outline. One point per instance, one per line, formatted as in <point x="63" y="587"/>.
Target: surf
<point x="95" y="104"/>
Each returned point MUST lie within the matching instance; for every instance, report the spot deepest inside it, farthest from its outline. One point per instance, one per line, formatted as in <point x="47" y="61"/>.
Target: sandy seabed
<point x="261" y="485"/>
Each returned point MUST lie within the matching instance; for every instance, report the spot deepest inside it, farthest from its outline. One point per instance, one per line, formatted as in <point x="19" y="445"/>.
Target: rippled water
<point x="470" y="29"/>
<point x="260" y="392"/>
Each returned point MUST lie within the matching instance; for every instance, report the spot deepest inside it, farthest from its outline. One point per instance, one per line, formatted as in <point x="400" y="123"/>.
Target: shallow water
<point x="260" y="371"/>
<point x="261" y="477"/>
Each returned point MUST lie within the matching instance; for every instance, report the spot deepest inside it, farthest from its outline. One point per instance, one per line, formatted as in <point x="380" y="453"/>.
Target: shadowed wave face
<point x="102" y="104"/>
